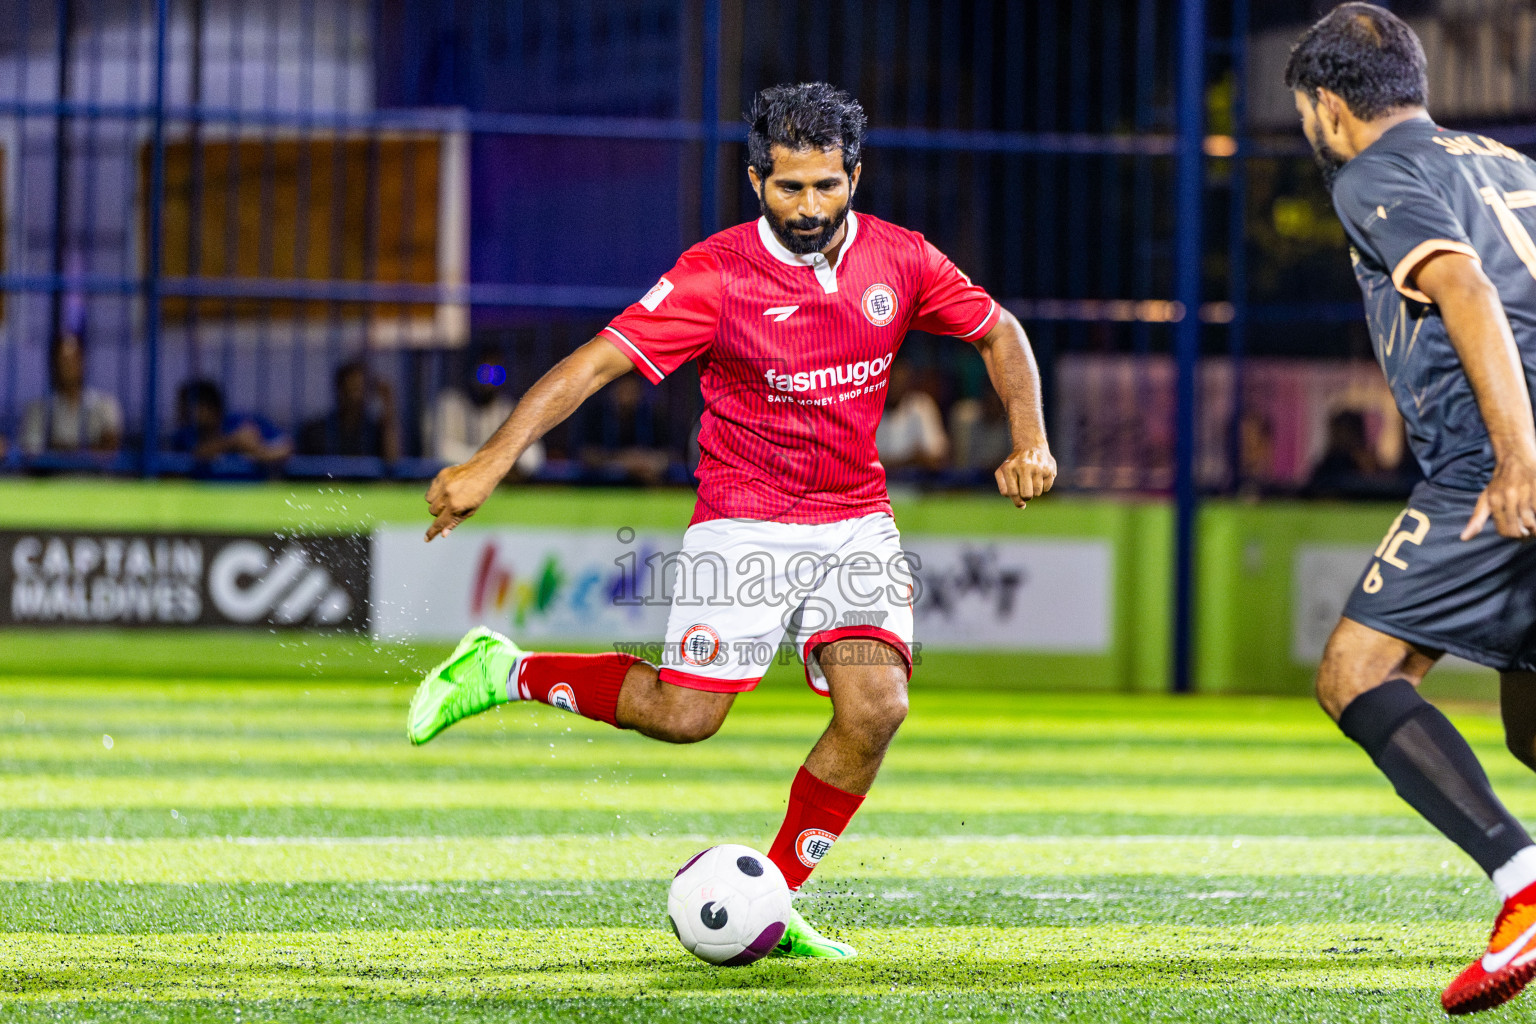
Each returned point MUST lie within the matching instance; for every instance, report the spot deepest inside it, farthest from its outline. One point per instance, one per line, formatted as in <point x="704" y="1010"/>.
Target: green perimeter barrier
<point x="1248" y="592"/>
<point x="1245" y="570"/>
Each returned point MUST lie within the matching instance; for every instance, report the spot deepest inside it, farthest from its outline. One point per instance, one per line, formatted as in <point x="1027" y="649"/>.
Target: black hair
<point x="202" y="392"/>
<point x="60" y="340"/>
<point x="1347" y="423"/>
<point x="57" y="346"/>
<point x="1364" y="53"/>
<point x="810" y="115"/>
<point x="347" y="369"/>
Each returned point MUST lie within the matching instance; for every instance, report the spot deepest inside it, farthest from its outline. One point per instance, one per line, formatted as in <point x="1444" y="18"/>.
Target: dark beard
<point x="1328" y="162"/>
<point x="804" y="245"/>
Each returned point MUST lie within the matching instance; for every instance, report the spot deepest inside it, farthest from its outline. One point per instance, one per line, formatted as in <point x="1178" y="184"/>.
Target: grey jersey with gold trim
<point x="1417" y="190"/>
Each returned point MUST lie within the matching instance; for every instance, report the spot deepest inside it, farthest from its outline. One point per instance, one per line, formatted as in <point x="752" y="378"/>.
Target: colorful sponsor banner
<point x="565" y="584"/>
<point x="1035" y="595"/>
<point x="73" y="578"/>
<point x="615" y="587"/>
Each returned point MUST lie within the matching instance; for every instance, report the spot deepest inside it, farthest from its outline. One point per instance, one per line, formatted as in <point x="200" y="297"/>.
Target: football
<point x="728" y="905"/>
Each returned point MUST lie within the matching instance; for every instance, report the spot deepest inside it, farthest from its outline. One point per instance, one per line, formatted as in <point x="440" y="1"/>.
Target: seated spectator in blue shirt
<point x="72" y="419"/>
<point x="355" y="426"/>
<point x="226" y="445"/>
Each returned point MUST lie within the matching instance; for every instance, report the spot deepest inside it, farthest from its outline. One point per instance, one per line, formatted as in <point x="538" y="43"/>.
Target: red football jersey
<point x="794" y="354"/>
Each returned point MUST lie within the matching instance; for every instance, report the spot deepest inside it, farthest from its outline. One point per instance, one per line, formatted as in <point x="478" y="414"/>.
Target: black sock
<point x="1432" y="768"/>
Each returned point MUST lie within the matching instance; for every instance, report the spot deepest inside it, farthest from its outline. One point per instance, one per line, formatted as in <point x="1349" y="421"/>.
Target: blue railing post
<point x="152" y="258"/>
<point x="709" y="113"/>
<point x="1237" y="238"/>
<point x="1187" y="245"/>
<point x="61" y="150"/>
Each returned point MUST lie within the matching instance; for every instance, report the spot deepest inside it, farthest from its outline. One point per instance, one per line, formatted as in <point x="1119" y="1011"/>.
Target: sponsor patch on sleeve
<point x="651" y="299"/>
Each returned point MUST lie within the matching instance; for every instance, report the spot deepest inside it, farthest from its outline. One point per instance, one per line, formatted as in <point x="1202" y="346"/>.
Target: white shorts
<point x="747" y="592"/>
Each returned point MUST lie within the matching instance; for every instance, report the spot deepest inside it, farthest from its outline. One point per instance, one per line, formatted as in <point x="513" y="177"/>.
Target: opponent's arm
<point x="1474" y="318"/>
<point x="1030" y="470"/>
<point x="459" y="490"/>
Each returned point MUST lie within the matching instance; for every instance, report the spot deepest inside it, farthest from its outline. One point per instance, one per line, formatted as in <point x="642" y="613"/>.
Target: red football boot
<point x="1509" y="963"/>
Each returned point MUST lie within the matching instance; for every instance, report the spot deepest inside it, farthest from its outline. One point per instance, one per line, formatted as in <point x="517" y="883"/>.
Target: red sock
<point x="585" y="684"/>
<point x="818" y="813"/>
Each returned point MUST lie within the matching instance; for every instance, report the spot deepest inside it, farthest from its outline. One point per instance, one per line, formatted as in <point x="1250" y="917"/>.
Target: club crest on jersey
<point x="879" y="303"/>
<point x="563" y="697"/>
<point x="700" y="645"/>
<point x="812" y="845"/>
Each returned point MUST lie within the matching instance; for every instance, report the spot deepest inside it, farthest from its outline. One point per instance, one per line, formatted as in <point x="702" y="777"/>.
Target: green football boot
<point x="472" y="680"/>
<point x="800" y="939"/>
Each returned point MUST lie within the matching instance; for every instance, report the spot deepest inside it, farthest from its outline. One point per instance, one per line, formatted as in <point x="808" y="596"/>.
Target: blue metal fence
<point x="257" y="194"/>
<point x="596" y="140"/>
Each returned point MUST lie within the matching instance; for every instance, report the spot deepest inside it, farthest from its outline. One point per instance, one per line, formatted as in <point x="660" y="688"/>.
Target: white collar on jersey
<point x="826" y="271"/>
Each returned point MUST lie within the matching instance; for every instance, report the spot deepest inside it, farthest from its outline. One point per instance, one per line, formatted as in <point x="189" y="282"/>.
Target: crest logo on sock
<point x="812" y="845"/>
<point x="563" y="697"/>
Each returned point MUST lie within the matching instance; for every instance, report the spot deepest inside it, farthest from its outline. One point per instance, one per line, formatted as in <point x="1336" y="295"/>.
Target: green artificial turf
<point x="200" y="848"/>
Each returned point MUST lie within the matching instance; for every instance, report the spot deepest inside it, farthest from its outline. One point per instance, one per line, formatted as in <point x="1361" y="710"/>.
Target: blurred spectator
<point x="979" y="427"/>
<point x="353" y="427"/>
<point x="225" y="444"/>
<point x="1256" y="457"/>
<point x="911" y="434"/>
<point x="634" y="436"/>
<point x="462" y="419"/>
<point x="1256" y="435"/>
<point x="73" y="418"/>
<point x="1348" y="467"/>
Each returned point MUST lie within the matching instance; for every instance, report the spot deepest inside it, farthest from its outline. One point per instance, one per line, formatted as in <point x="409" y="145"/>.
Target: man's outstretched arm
<point x="459" y="490"/>
<point x="1474" y="318"/>
<point x="1030" y="470"/>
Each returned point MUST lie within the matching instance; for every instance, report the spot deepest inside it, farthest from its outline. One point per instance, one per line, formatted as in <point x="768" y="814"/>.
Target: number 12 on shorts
<point x="1391" y="545"/>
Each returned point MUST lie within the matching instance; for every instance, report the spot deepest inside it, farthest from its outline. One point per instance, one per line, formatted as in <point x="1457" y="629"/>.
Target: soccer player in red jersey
<point x="794" y="320"/>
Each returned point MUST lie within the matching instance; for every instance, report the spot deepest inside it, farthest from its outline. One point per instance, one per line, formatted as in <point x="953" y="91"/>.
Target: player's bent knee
<point x="701" y="728"/>
<point x="1326" y="689"/>
<point x="894" y="711"/>
<point x="877" y="720"/>
<point x="1335" y="691"/>
<point x="1358" y="659"/>
<point x="695" y="719"/>
<point x="691" y="730"/>
<point x="1331" y="686"/>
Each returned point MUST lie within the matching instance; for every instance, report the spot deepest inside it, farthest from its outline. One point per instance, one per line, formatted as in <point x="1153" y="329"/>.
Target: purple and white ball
<point x="728" y="905"/>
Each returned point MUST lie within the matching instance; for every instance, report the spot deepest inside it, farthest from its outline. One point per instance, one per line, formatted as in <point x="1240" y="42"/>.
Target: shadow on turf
<point x="1226" y="1005"/>
<point x="920" y="973"/>
<point x="306" y="975"/>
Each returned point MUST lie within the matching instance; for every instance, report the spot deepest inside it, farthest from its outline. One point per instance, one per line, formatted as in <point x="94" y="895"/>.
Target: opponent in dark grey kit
<point x="1440" y="224"/>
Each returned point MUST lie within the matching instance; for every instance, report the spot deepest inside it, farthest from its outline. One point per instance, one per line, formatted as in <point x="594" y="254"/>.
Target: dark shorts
<point x="1425" y="585"/>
